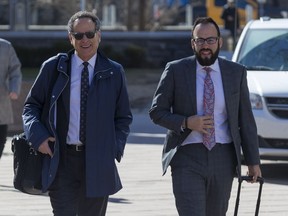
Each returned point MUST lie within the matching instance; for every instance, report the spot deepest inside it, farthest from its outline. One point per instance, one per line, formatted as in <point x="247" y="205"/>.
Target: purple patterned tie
<point x="83" y="101"/>
<point x="208" y="102"/>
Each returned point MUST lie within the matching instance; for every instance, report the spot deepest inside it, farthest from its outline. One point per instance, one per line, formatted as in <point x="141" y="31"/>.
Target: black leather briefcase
<point x="27" y="164"/>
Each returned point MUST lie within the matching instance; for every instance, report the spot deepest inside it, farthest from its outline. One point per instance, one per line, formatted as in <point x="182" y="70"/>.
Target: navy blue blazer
<point x="108" y="120"/>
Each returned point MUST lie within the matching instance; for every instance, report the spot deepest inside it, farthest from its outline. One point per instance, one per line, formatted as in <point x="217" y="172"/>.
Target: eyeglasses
<point x="209" y="40"/>
<point x="80" y="35"/>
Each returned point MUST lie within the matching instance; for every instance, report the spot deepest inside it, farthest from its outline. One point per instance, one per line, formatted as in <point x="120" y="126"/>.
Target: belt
<point x="77" y="148"/>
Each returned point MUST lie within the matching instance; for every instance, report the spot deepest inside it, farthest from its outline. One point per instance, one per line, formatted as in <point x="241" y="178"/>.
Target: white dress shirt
<point x="74" y="120"/>
<point x="222" y="132"/>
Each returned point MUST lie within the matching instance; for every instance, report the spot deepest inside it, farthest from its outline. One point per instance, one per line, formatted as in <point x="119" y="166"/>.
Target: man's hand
<point x="44" y="148"/>
<point x="200" y="123"/>
<point x="254" y="171"/>
<point x="13" y="96"/>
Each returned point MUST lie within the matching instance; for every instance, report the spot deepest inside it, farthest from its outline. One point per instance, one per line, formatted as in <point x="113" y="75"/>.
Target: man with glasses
<point x="203" y="101"/>
<point x="77" y="114"/>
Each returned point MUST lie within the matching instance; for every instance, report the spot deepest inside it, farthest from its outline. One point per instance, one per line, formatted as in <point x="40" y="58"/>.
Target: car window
<point x="265" y="50"/>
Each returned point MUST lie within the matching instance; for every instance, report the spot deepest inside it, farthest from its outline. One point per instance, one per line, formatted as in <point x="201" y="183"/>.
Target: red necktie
<point x="208" y="101"/>
<point x="83" y="101"/>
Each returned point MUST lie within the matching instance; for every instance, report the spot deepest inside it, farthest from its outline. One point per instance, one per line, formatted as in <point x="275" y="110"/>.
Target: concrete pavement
<point x="146" y="192"/>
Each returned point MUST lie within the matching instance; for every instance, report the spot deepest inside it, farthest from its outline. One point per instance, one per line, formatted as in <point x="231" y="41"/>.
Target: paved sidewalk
<point x="146" y="192"/>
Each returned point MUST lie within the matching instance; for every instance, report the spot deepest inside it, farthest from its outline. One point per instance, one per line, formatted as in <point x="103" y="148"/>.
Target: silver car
<point x="263" y="49"/>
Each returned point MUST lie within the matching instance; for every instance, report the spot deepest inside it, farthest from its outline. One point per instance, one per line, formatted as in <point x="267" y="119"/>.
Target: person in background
<point x="77" y="114"/>
<point x="10" y="86"/>
<point x="230" y="17"/>
<point x="203" y="101"/>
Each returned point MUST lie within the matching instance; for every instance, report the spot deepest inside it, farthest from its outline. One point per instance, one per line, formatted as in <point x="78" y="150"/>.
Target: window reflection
<point x="265" y="50"/>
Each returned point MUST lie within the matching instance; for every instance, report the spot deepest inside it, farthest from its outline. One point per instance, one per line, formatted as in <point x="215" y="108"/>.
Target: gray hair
<point x="84" y="14"/>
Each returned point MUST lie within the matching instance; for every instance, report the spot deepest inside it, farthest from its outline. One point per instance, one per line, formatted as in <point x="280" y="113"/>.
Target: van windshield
<point x="265" y="50"/>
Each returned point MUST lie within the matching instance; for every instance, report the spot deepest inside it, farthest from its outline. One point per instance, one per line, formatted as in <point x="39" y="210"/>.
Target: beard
<point x="207" y="61"/>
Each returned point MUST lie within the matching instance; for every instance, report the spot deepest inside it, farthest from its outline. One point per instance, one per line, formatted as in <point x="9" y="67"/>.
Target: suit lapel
<point x="190" y="78"/>
<point x="226" y="74"/>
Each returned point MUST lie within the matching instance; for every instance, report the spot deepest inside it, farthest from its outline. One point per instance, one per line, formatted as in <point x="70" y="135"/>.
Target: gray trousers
<point x="202" y="179"/>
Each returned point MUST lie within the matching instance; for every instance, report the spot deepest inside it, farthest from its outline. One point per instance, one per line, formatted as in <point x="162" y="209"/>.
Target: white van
<point x="263" y="49"/>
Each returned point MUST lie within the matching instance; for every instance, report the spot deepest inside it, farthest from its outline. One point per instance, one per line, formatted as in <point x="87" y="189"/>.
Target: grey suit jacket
<point x="10" y="80"/>
<point x="175" y="99"/>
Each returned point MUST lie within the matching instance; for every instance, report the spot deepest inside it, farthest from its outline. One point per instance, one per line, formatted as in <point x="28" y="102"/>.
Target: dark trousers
<point x="68" y="191"/>
<point x="3" y="137"/>
<point x="202" y="179"/>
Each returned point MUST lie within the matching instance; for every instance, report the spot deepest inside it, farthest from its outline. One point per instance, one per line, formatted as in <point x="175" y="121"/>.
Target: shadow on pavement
<point x="119" y="200"/>
<point x="6" y="188"/>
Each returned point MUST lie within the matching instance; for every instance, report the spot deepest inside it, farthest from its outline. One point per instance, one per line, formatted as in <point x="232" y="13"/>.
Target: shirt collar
<point x="214" y="67"/>
<point x="79" y="61"/>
